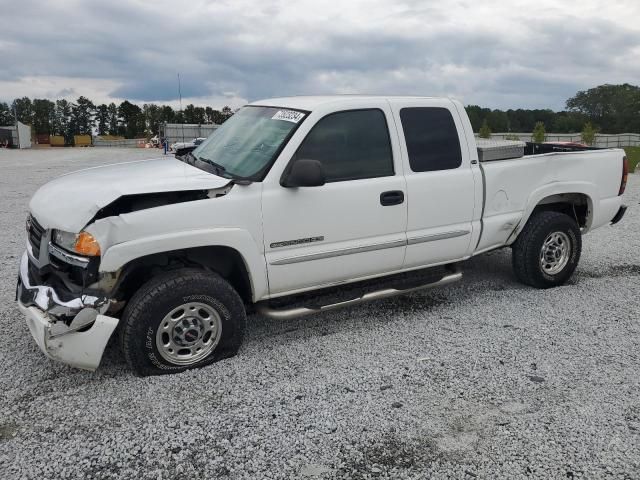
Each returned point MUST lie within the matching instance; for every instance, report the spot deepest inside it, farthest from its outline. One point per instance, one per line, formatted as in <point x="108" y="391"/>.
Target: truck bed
<point x="490" y="150"/>
<point x="512" y="186"/>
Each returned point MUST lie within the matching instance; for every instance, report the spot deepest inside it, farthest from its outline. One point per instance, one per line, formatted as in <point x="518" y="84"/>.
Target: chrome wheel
<point x="188" y="333"/>
<point x="555" y="253"/>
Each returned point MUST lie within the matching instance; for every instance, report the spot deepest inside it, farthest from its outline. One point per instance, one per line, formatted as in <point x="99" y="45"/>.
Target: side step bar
<point x="287" y="313"/>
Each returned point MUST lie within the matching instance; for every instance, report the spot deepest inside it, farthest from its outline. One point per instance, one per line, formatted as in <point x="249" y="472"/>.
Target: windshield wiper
<point x="212" y="167"/>
<point x="188" y="157"/>
<point x="219" y="169"/>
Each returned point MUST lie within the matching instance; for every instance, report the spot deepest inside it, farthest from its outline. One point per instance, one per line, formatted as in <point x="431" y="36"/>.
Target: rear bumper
<point x="621" y="211"/>
<point x="80" y="342"/>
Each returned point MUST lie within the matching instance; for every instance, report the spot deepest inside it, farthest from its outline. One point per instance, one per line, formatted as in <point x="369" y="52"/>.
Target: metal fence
<point x="129" y="142"/>
<point x="601" y="140"/>
<point x="179" y="132"/>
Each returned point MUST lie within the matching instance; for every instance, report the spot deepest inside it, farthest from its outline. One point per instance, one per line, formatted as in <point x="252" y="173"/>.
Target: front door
<point x="353" y="226"/>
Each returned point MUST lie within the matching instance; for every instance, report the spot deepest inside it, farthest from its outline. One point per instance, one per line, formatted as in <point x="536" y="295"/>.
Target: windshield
<point x="245" y="145"/>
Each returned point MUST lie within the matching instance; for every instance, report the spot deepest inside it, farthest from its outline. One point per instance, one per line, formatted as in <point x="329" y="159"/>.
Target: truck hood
<point x="69" y="202"/>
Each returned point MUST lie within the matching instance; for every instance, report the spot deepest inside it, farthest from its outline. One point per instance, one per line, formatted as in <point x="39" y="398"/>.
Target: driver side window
<point x="351" y="145"/>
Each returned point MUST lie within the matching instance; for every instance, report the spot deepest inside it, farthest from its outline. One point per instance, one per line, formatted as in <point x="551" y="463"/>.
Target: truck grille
<point x="34" y="233"/>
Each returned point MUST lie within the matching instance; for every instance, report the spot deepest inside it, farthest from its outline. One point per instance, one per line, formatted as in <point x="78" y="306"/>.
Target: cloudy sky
<point x="492" y="52"/>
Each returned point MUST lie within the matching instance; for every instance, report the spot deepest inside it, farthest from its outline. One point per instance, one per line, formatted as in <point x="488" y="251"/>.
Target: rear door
<point x="354" y="225"/>
<point x="440" y="184"/>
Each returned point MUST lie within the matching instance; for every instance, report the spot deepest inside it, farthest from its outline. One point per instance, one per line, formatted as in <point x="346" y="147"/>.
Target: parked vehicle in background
<point x="182" y="145"/>
<point x="294" y="206"/>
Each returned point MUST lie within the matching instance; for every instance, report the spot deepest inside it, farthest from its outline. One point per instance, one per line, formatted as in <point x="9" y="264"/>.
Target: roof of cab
<point x="310" y="102"/>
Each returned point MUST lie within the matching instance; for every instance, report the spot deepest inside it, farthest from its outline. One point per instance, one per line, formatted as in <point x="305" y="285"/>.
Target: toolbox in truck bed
<point x="489" y="149"/>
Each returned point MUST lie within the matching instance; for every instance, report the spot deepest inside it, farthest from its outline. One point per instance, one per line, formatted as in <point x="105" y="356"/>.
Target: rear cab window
<point x="432" y="139"/>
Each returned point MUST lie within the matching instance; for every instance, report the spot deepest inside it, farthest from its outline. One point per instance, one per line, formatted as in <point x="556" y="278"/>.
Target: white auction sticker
<point x="288" y="116"/>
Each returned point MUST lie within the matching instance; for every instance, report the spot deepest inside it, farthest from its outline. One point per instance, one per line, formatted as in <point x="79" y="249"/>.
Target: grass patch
<point x="633" y="154"/>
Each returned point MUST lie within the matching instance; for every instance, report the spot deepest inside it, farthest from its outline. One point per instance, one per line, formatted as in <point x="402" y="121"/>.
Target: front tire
<point x="180" y="320"/>
<point x="547" y="251"/>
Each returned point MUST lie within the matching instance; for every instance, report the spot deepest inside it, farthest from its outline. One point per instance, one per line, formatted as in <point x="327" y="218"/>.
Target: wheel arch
<point x="203" y="246"/>
<point x="223" y="260"/>
<point x="575" y="200"/>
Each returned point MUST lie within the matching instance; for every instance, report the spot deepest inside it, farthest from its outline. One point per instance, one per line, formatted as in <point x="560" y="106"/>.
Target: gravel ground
<point x="486" y="379"/>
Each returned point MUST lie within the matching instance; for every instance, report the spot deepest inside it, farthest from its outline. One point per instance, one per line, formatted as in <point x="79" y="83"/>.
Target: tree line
<point x="606" y="109"/>
<point x="83" y="117"/>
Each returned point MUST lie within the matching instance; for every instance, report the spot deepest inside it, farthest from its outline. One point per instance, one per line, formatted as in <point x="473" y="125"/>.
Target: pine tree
<point x="112" y="114"/>
<point x="131" y="119"/>
<point x="102" y="119"/>
<point x="43" y="114"/>
<point x="82" y="116"/>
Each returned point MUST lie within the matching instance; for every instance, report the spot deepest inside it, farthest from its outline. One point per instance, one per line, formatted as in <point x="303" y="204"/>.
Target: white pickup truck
<point x="287" y="200"/>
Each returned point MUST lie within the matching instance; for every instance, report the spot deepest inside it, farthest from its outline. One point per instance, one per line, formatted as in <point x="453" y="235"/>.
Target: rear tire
<point x="547" y="251"/>
<point x="181" y="320"/>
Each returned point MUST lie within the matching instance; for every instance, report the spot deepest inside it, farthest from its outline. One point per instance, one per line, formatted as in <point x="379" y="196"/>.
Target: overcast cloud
<point x="493" y="53"/>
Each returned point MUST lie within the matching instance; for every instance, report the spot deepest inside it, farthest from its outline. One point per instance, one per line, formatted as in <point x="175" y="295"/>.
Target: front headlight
<point x="66" y="240"/>
<point x="83" y="243"/>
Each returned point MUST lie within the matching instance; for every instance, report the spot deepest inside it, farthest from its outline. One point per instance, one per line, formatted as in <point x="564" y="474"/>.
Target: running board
<point x="288" y="313"/>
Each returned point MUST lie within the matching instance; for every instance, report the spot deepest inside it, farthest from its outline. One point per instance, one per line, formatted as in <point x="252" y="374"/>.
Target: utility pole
<point x="180" y="95"/>
<point x="15" y="115"/>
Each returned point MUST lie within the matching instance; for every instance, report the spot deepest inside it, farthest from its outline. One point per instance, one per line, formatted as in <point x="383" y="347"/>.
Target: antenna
<point x="180" y="95"/>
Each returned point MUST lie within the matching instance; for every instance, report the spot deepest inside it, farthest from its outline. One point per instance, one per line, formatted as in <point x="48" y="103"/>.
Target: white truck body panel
<point x="440" y="203"/>
<point x="448" y="215"/>
<point x="70" y="201"/>
<point x="513" y="188"/>
<point x="299" y="239"/>
<point x="347" y="214"/>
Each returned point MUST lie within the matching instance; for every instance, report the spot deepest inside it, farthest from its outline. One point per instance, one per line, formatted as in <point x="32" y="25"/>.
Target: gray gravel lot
<point x="484" y="379"/>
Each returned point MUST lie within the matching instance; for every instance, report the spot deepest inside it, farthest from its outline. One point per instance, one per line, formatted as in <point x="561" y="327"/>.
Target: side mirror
<point x="305" y="173"/>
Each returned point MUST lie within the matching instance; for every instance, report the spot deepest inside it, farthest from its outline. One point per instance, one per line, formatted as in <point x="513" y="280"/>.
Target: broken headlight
<point x="83" y="243"/>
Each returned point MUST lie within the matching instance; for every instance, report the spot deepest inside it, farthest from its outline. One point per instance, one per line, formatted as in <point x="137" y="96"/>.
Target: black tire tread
<point x="193" y="279"/>
<point x="525" y="249"/>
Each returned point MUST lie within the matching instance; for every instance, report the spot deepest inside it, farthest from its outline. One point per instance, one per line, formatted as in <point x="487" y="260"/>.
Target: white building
<point x="18" y="136"/>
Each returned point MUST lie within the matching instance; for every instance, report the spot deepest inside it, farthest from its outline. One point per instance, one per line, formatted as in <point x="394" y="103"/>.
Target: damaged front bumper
<point x="79" y="342"/>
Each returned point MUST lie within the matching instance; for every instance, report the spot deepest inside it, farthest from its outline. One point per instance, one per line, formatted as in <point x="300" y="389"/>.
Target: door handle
<point x="392" y="197"/>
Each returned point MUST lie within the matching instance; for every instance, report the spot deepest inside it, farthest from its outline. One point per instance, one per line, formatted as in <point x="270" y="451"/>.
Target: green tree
<point x="82" y="116"/>
<point x="208" y="115"/>
<point x="102" y="119"/>
<point x="476" y="116"/>
<point x="23" y="109"/>
<point x="188" y="113"/>
<point x="485" y="131"/>
<point x="193" y="114"/>
<point x="6" y="115"/>
<point x="568" y="122"/>
<point x="217" y="117"/>
<point x="227" y="113"/>
<point x="539" y="134"/>
<point x="112" y="113"/>
<point x="131" y="120"/>
<point x="588" y="134"/>
<point x="167" y="115"/>
<point x="43" y="115"/>
<point x="62" y="120"/>
<point x="152" y="114"/>
<point x="498" y="121"/>
<point x="615" y="108"/>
